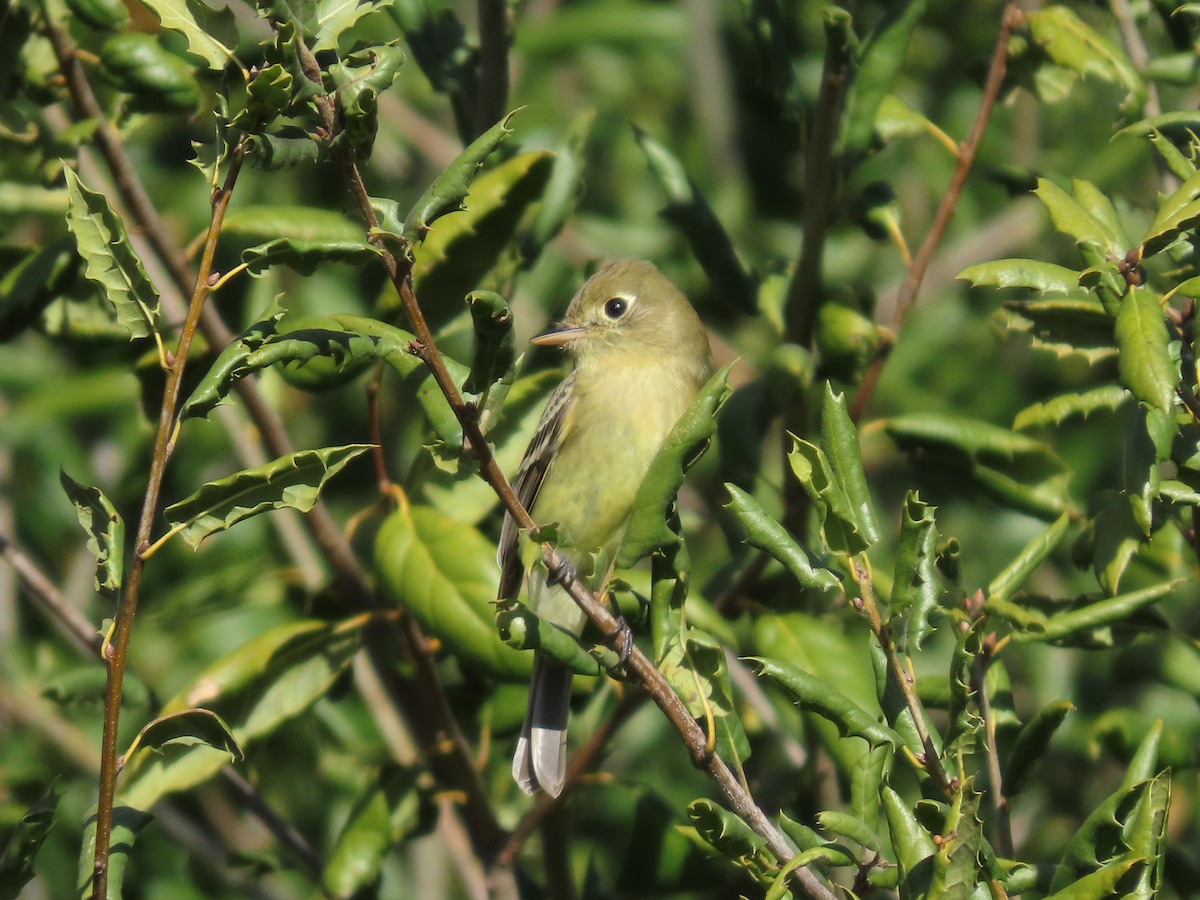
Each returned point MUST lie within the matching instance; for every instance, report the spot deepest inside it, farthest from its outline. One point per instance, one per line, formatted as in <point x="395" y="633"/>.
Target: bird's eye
<point x="616" y="307"/>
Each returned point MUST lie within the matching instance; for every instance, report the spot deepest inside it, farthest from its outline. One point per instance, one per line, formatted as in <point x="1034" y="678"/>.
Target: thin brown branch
<point x="865" y="603"/>
<point x="906" y="298"/>
<point x="78" y="630"/>
<point x="1004" y="838"/>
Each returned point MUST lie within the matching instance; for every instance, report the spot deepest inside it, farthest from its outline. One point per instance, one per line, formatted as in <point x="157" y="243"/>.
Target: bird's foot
<point x="625" y="633"/>
<point x="566" y="573"/>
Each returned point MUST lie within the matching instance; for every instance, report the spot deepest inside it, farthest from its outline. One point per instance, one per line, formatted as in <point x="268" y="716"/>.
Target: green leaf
<point x="915" y="587"/>
<point x="127" y="824"/>
<point x="828" y="702"/>
<point x="289" y="482"/>
<point x="230" y="364"/>
<point x="268" y="680"/>
<point x="335" y="17"/>
<point x="357" y="81"/>
<point x="391" y="810"/>
<point x="112" y="265"/>
<point x="299" y="223"/>
<point x="105" y="530"/>
<point x="304" y="256"/>
<point x="444" y="573"/>
<point x="1058" y="409"/>
<point x="1031" y="743"/>
<point x="688" y="210"/>
<point x="726" y="832"/>
<point x="911" y="844"/>
<point x="25" y="839"/>
<point x="186" y="728"/>
<point x="1177" y="213"/>
<point x="285" y="148"/>
<point x="1067" y="327"/>
<point x="956" y="870"/>
<point x="269" y="93"/>
<point x="647" y="530"/>
<point x="448" y="191"/>
<point x="522" y="629"/>
<point x="763" y="532"/>
<point x="849" y="826"/>
<point x="34" y="280"/>
<point x="1004" y="585"/>
<point x="1102" y="883"/>
<point x="879" y="61"/>
<point x="1016" y="469"/>
<point x="839" y="440"/>
<point x="1145" y="365"/>
<point x="1032" y="274"/>
<point x="1074" y="45"/>
<point x="211" y="34"/>
<point x="494" y="352"/>
<point x="1072" y="219"/>
<point x="1110" y="611"/>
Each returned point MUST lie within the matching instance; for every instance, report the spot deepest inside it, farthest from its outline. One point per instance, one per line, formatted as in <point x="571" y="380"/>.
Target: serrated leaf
<point x="828" y="702"/>
<point x="1058" y="409"/>
<point x="1070" y="326"/>
<point x="647" y="530"/>
<point x="304" y="256"/>
<point x="1145" y="365"/>
<point x="266" y="681"/>
<point x="915" y="587"/>
<point x="763" y="532"/>
<point x="956" y="869"/>
<point x="493" y="328"/>
<point x="392" y="809"/>
<point x="289" y="482"/>
<point x="911" y="845"/>
<point x="448" y="191"/>
<point x="24" y="841"/>
<point x="112" y="265"/>
<point x="269" y="93"/>
<point x="1073" y="44"/>
<point x="335" y="17"/>
<point x="839" y="440"/>
<point x="1031" y="744"/>
<point x="357" y="81"/>
<point x="105" y="530"/>
<point x="1177" y="213"/>
<point x="688" y="210"/>
<point x="211" y="34"/>
<point x="726" y="832"/>
<point x="444" y="573"/>
<point x="127" y="824"/>
<point x="299" y="223"/>
<point x="1072" y="219"/>
<point x="1032" y="274"/>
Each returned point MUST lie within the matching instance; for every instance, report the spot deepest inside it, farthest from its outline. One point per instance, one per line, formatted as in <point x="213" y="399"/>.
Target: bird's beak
<point x="559" y="335"/>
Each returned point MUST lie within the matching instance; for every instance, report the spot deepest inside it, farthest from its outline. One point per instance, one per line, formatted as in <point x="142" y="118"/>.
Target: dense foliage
<point x="921" y="617"/>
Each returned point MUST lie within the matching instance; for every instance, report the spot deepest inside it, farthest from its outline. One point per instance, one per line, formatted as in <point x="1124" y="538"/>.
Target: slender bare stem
<point x="870" y="610"/>
<point x="1004" y="839"/>
<point x="906" y="298"/>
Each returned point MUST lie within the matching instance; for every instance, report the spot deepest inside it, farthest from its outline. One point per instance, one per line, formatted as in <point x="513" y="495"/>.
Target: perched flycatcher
<point x="641" y="355"/>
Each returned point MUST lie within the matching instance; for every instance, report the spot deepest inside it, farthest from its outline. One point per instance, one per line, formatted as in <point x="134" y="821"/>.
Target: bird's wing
<point x="538" y="458"/>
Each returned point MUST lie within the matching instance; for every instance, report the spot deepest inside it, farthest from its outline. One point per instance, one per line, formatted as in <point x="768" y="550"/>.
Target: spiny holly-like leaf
<point x="25" y="839"/>
<point x="127" y="824"/>
<point x="725" y="831"/>
<point x="915" y="588"/>
<point x="911" y="845"/>
<point x="839" y="440"/>
<point x="187" y="728"/>
<point x="304" y="256"/>
<point x="1145" y="363"/>
<point x="111" y="262"/>
<point x="828" y="702"/>
<point x="647" y="530"/>
<point x="1073" y="44"/>
<point x="106" y="533"/>
<point x="265" y="682"/>
<point x="269" y="94"/>
<point x="1058" y="409"/>
<point x="842" y="532"/>
<point x="449" y="189"/>
<point x="1072" y="219"/>
<point x="293" y="482"/>
<point x="211" y="34"/>
<point x="763" y="532"/>
<point x="1176" y="214"/>
<point x="230" y="364"/>
<point x="849" y="826"/>
<point x="357" y="81"/>
<point x="688" y="211"/>
<point x="444" y="573"/>
<point x="493" y="340"/>
<point x="1072" y="326"/>
<point x="335" y="17"/>
<point x="956" y="864"/>
<point x="1043" y="277"/>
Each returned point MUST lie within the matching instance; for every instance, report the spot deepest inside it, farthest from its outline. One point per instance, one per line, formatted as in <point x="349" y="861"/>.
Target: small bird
<point x="641" y="354"/>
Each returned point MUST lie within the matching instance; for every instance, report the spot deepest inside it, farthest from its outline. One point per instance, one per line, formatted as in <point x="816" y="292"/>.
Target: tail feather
<point x="540" y="761"/>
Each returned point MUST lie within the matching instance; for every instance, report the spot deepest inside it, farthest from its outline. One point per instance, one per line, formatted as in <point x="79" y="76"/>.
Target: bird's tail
<point x="541" y="758"/>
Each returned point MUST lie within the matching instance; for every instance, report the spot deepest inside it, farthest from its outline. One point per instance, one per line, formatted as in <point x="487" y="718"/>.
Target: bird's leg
<point x="566" y="573"/>
<point x="625" y="633"/>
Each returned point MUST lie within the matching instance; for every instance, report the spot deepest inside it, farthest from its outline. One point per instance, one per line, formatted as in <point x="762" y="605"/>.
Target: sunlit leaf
<point x="1145" y="363"/>
<point x="305" y="256"/>
<point x="1035" y="275"/>
<point x="289" y="482"/>
<point x="211" y="34"/>
<point x="915" y="588"/>
<point x="1055" y="411"/>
